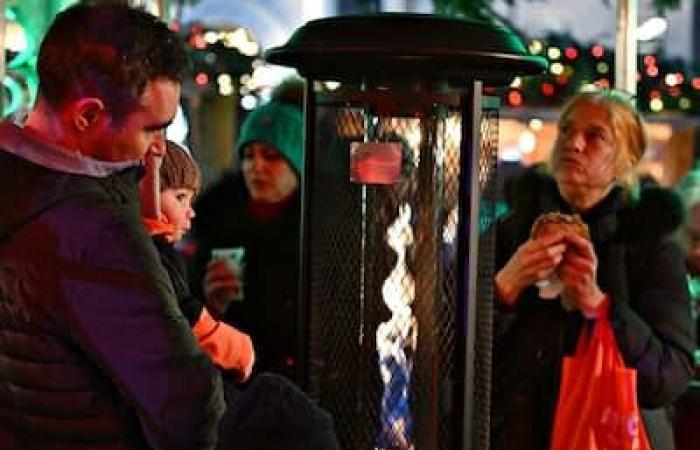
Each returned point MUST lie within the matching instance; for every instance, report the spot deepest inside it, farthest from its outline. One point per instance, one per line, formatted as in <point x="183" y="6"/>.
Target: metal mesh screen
<point x="485" y="273"/>
<point x="384" y="344"/>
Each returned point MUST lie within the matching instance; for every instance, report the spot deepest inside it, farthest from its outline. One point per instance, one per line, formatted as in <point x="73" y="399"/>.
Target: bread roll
<point x="553" y="222"/>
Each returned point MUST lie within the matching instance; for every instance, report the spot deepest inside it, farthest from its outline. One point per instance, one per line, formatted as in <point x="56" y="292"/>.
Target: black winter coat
<point x="94" y="353"/>
<point x="641" y="268"/>
<point x="268" y="311"/>
<point x="174" y="265"/>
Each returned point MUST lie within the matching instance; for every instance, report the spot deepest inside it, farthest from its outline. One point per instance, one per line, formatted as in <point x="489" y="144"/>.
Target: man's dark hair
<point x="109" y="51"/>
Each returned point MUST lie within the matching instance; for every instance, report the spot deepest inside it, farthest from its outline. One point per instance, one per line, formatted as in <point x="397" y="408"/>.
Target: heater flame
<point x="396" y="341"/>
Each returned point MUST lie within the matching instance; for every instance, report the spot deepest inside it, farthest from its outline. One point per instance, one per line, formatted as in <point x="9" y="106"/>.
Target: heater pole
<point x="626" y="46"/>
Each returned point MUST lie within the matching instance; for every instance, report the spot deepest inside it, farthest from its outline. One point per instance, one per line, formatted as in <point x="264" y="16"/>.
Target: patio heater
<point x="398" y="196"/>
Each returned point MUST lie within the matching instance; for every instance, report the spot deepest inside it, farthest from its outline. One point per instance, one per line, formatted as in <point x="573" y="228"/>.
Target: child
<point x="167" y="190"/>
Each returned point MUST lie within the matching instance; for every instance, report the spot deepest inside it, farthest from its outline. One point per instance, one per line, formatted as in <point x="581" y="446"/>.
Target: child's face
<point x="176" y="206"/>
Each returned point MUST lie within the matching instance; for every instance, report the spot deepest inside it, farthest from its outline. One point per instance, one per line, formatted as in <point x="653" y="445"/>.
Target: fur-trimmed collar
<point x="656" y="212"/>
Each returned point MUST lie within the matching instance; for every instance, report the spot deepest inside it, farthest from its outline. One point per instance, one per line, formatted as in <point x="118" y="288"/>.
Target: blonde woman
<point x="631" y="263"/>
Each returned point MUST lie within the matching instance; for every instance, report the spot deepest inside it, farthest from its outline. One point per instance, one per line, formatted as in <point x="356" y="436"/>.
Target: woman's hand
<point x="534" y="260"/>
<point x="221" y="286"/>
<point x="578" y="275"/>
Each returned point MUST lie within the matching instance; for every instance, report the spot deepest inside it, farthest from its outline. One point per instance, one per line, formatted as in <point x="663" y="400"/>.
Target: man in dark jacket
<point x="94" y="352"/>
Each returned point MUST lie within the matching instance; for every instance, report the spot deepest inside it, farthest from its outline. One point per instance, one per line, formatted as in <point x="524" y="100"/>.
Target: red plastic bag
<point x="597" y="406"/>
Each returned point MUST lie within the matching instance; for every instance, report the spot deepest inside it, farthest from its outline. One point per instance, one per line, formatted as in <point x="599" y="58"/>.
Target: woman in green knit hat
<point x="255" y="209"/>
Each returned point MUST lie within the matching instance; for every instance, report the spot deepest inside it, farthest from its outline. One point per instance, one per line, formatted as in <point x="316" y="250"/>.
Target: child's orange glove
<point x="227" y="347"/>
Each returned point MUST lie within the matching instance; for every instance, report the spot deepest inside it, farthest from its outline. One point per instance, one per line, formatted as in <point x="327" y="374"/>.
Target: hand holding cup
<point x="223" y="281"/>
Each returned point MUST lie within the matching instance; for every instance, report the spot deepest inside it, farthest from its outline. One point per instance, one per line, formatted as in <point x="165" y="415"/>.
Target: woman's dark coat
<point x="641" y="268"/>
<point x="268" y="311"/>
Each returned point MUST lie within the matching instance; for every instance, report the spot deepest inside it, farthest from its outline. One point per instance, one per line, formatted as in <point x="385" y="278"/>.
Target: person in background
<point x="264" y="413"/>
<point x="95" y="351"/>
<point x="687" y="408"/>
<point x="256" y="209"/>
<point x="631" y="266"/>
<point x="170" y="184"/>
<point x="689" y="236"/>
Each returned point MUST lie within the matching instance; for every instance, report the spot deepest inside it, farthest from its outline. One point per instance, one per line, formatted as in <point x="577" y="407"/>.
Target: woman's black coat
<point x="268" y="311"/>
<point x="643" y="271"/>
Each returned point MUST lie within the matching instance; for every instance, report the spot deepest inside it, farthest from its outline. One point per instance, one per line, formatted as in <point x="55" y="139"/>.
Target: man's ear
<point x="87" y="112"/>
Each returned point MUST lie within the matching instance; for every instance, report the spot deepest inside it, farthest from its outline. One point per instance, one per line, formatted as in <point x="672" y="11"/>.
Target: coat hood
<point x="34" y="176"/>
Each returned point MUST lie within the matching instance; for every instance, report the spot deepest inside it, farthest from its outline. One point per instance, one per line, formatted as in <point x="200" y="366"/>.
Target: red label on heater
<point x="375" y="162"/>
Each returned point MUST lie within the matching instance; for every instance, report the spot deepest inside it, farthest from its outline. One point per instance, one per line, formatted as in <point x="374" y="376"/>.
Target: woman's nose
<point x="257" y="162"/>
<point x="576" y="142"/>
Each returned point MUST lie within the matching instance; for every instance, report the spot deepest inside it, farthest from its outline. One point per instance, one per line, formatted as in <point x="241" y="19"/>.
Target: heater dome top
<point x="402" y="47"/>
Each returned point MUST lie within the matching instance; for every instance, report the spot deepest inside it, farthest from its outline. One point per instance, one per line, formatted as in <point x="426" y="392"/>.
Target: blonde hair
<point x="178" y="170"/>
<point x="627" y="126"/>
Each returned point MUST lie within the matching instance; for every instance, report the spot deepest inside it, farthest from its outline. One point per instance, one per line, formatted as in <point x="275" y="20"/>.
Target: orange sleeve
<point x="227" y="347"/>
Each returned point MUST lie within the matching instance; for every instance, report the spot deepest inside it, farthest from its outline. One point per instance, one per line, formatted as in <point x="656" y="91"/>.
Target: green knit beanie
<point x="277" y="124"/>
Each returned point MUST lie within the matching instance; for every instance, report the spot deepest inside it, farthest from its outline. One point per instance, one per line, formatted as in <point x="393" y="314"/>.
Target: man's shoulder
<point x="32" y="192"/>
<point x="75" y="207"/>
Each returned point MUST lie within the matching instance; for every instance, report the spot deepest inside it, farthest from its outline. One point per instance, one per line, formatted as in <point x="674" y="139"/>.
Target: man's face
<point x="143" y="129"/>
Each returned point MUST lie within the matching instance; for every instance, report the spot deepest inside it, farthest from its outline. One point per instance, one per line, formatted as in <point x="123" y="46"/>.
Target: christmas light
<point x="536" y="47"/>
<point x="249" y="102"/>
<point x="198" y="42"/>
<point x="656" y="105"/>
<point x="597" y="51"/>
<point x="515" y="98"/>
<point x="553" y="53"/>
<point x="670" y="79"/>
<point x="547" y="89"/>
<point x="571" y="53"/>
<point x="201" y="79"/>
<point x="527" y="142"/>
<point x="556" y="68"/>
<point x="536" y="124"/>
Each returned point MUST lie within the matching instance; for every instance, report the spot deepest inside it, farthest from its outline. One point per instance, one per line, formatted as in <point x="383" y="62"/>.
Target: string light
<point x="547" y="89"/>
<point x="556" y="68"/>
<point x="553" y="53"/>
<point x="571" y="53"/>
<point x="597" y="51"/>
<point x="656" y="105"/>
<point x="515" y="98"/>
<point x="536" y="47"/>
<point x="201" y="79"/>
